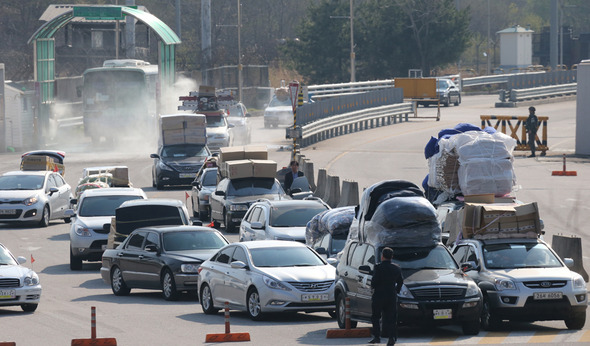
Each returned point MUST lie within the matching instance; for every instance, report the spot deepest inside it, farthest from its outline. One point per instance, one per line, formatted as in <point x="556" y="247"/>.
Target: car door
<point x="149" y="263"/>
<point x="128" y="259"/>
<point x="260" y="215"/>
<point x="236" y="284"/>
<point x="349" y="274"/>
<point x="247" y="233"/>
<point x="52" y="197"/>
<point x="217" y="201"/>
<point x="64" y="194"/>
<point x="365" y="292"/>
<point x="219" y="269"/>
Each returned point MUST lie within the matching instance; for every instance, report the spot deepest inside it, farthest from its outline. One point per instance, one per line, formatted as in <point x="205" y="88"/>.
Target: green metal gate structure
<point x="44" y="50"/>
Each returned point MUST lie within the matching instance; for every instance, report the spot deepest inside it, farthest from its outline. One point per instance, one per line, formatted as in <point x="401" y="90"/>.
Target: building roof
<point x="516" y="28"/>
<point x="54" y="11"/>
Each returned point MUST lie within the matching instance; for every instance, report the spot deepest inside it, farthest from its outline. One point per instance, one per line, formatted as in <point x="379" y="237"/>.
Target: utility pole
<point x="205" y="39"/>
<point x="352" y="54"/>
<point x="240" y="51"/>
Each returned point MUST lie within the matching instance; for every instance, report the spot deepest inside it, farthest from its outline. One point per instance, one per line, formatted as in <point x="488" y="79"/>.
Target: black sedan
<point x="177" y="164"/>
<point x="160" y="257"/>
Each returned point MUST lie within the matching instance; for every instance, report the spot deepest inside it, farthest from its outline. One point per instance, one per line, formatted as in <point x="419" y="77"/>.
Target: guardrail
<point x="354" y="121"/>
<point x="520" y="95"/>
<point x="70" y="122"/>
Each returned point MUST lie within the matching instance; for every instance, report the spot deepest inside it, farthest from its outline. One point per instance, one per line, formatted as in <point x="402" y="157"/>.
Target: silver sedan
<point x="267" y="276"/>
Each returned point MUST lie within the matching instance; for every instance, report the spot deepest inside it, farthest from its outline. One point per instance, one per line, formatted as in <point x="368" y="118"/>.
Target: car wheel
<point x="44" y="222"/>
<point x="75" y="262"/>
<point x="576" y="321"/>
<point x="118" y="284"/>
<point x="169" y="286"/>
<point x="447" y="101"/>
<point x="195" y="212"/>
<point x="471" y="327"/>
<point x="159" y="185"/>
<point x="207" y="301"/>
<point x="489" y="322"/>
<point x="229" y="226"/>
<point x="341" y="313"/>
<point x="29" y="307"/>
<point x="266" y="125"/>
<point x="458" y="100"/>
<point x="253" y="305"/>
<point x="332" y="314"/>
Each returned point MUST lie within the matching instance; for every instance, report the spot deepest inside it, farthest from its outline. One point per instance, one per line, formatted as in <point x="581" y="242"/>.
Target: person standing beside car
<point x="386" y="283"/>
<point x="292" y="174"/>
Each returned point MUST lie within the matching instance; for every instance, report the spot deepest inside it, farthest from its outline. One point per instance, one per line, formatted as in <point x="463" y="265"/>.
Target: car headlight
<point x="190" y="267"/>
<point x="238" y="207"/>
<point x="30" y="201"/>
<point x="164" y="166"/>
<point x="472" y="290"/>
<point x="503" y="284"/>
<point x="272" y="283"/>
<point x="579" y="282"/>
<point x="82" y="231"/>
<point x="31" y="279"/>
<point x="405" y="292"/>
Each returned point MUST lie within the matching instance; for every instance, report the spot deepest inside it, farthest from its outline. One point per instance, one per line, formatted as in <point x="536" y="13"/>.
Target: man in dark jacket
<point x="292" y="174"/>
<point x="387" y="282"/>
<point x="531" y="125"/>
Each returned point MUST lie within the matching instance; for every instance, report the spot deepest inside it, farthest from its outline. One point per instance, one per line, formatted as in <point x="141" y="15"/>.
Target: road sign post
<point x="293" y="93"/>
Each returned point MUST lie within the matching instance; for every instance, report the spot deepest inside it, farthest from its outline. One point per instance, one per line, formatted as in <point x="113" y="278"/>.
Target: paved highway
<point x="144" y="318"/>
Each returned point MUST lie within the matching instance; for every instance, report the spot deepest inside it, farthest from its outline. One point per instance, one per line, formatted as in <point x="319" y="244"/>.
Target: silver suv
<point x="523" y="280"/>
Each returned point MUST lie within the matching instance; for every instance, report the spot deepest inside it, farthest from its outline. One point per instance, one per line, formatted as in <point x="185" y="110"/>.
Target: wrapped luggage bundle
<point x="333" y="221"/>
<point x="405" y="222"/>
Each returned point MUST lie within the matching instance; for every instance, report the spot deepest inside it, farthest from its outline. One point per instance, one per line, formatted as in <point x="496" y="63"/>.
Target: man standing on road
<point x="531" y="125"/>
<point x="387" y="282"/>
<point x="292" y="174"/>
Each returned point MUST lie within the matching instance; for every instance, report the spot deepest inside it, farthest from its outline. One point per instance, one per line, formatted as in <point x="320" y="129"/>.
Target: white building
<point x="19" y="131"/>
<point x="516" y="47"/>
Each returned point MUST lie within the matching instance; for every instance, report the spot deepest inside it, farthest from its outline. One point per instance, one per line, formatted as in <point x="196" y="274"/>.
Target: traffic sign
<point x="293" y="91"/>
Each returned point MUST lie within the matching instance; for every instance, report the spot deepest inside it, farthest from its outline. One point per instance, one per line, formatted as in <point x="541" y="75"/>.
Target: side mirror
<point x="53" y="190"/>
<point x="21" y="260"/>
<point x="69" y="213"/>
<point x="257" y="225"/>
<point x="73" y="201"/>
<point x="365" y="269"/>
<point x="238" y="265"/>
<point x="196" y="184"/>
<point x="106" y="227"/>
<point x="151" y="248"/>
<point x="569" y="262"/>
<point x="219" y="193"/>
<point x="154" y="156"/>
<point x="196" y="221"/>
<point x="321" y="251"/>
<point x="468" y="266"/>
<point x="296" y="190"/>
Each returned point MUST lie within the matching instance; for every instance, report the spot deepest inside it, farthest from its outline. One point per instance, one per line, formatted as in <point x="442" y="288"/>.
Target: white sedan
<point x="267" y="276"/>
<point x="18" y="285"/>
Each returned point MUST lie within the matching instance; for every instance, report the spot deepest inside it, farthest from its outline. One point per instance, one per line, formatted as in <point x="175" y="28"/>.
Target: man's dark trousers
<point x="385" y="308"/>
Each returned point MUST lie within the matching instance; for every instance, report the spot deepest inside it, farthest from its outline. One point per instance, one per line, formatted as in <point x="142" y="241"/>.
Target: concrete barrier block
<point x="322" y="182"/>
<point x="309" y="173"/>
<point x="350" y="194"/>
<point x="570" y="247"/>
<point x="332" y="196"/>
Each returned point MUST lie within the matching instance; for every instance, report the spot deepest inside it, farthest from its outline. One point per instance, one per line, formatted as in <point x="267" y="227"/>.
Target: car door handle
<point x="120" y="254"/>
<point x="140" y="257"/>
<point x="345" y="274"/>
<point x="359" y="278"/>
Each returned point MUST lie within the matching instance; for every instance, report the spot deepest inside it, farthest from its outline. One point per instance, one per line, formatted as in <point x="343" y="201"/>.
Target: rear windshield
<point x="185" y="241"/>
<point x="253" y="187"/>
<point x="102" y="205"/>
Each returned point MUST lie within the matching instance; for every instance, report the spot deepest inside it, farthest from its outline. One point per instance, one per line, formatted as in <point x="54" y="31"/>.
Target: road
<point x="394" y="152"/>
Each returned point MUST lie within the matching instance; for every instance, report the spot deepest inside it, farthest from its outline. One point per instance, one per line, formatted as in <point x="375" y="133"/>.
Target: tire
<point x="488" y="321"/>
<point x="458" y="100"/>
<point x="169" y="291"/>
<point x="159" y="185"/>
<point x="333" y="314"/>
<point x="253" y="307"/>
<point x="341" y="313"/>
<point x="229" y="226"/>
<point x="44" y="222"/>
<point x="75" y="262"/>
<point x="576" y="321"/>
<point x="206" y="300"/>
<point x="67" y="220"/>
<point x="471" y="327"/>
<point x="118" y="285"/>
<point x="447" y="101"/>
<point x="29" y="307"/>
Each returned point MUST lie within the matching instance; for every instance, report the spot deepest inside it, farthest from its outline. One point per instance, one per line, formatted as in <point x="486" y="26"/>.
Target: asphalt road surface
<point x="393" y="152"/>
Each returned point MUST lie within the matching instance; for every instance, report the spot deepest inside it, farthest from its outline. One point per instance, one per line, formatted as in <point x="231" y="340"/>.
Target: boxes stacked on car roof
<point x="246" y="162"/>
<point x="183" y="129"/>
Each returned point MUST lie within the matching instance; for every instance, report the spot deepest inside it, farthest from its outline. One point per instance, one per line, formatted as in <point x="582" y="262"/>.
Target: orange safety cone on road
<point x="227" y="336"/>
<point x="94" y="341"/>
<point x="564" y="172"/>
<point x="348" y="332"/>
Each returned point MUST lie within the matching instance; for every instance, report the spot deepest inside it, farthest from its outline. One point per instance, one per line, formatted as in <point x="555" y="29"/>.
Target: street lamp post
<point x="352" y="54"/>
<point x="239" y="52"/>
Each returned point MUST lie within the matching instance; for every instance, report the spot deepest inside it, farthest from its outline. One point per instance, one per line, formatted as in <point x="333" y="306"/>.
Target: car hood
<point x="17" y="194"/>
<point x="94" y="222"/>
<point x="305" y="274"/>
<point x="14" y="271"/>
<point x="434" y="276"/>
<point x="192" y="255"/>
<point x="289" y="232"/>
<point x="533" y="274"/>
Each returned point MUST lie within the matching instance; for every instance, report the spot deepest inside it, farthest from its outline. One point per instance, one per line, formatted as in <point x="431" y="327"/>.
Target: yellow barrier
<point x="505" y="122"/>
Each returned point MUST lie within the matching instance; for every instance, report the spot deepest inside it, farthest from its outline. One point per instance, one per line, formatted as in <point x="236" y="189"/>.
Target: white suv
<point x="523" y="280"/>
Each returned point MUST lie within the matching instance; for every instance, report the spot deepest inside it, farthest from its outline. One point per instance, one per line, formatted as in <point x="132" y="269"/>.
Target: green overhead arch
<point x="44" y="45"/>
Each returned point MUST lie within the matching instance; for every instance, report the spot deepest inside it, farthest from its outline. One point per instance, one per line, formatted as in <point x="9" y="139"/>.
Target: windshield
<point x="424" y="258"/>
<point x="199" y="240"/>
<point x="102" y="205"/>
<point x="510" y="256"/>
<point x="5" y="258"/>
<point x="275" y="102"/>
<point x="294" y="216"/>
<point x="442" y="84"/>
<point x="215" y="121"/>
<point x="235" y="111"/>
<point x="21" y="182"/>
<point x="184" y="150"/>
<point x="285" y="257"/>
<point x="210" y="178"/>
<point x="253" y="187"/>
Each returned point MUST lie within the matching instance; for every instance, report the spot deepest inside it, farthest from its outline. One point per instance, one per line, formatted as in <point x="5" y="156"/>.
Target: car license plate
<point x="7" y="294"/>
<point x="187" y="175"/>
<point x="442" y="314"/>
<point x="7" y="211"/>
<point x="314" y="297"/>
<point x="547" y="295"/>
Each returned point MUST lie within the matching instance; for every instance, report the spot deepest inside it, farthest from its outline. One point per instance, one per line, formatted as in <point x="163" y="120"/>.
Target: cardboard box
<point x="256" y="152"/>
<point x="231" y="153"/>
<point x="195" y="120"/>
<point x="509" y="216"/>
<point x="237" y="169"/>
<point x="264" y="168"/>
<point x="482" y="198"/>
<point x="171" y="122"/>
<point x="170" y="137"/>
<point x="195" y="133"/>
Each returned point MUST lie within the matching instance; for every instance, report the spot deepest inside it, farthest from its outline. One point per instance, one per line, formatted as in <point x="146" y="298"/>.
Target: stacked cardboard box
<point x="120" y="174"/>
<point x="41" y="163"/>
<point x="246" y="161"/>
<point x="500" y="220"/>
<point x="183" y="128"/>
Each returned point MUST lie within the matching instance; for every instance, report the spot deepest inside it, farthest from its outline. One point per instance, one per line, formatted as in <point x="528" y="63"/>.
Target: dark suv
<point x="435" y="290"/>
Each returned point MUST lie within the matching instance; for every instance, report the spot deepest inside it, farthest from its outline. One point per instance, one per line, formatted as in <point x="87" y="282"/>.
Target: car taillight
<point x="199" y="270"/>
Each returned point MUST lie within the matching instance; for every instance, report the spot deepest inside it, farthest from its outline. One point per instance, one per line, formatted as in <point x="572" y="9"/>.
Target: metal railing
<point x="519" y="95"/>
<point x="355" y="121"/>
<point x="503" y="123"/>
